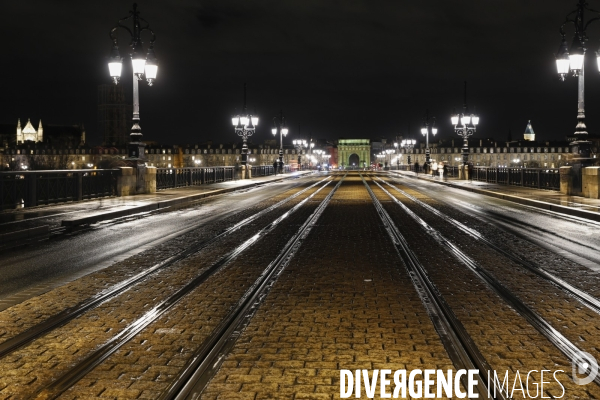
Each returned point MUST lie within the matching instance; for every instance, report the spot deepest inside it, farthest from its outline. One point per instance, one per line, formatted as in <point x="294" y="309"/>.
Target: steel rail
<point x="70" y="313"/>
<point x="101" y="353"/>
<point x="568" y="348"/>
<point x="212" y="353"/>
<point x="585" y="298"/>
<point x="461" y="348"/>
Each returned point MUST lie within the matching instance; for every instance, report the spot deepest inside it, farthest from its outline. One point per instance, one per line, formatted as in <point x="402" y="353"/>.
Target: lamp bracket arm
<point x="153" y="39"/>
<point x="567" y="21"/>
<point x="590" y="21"/>
<point x="147" y="28"/>
<point x="113" y="32"/>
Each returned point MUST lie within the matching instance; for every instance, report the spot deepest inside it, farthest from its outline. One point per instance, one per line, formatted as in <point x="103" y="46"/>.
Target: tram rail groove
<point x="22" y="339"/>
<point x="568" y="348"/>
<point x="210" y="355"/>
<point x="68" y="379"/>
<point x="461" y="348"/>
<point x="585" y="298"/>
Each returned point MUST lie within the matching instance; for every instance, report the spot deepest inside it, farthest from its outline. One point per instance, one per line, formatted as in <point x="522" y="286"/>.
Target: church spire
<point x="19" y="131"/>
<point x="40" y="132"/>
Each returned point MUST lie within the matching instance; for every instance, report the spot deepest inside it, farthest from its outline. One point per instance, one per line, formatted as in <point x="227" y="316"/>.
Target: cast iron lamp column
<point x="389" y="153"/>
<point x="381" y="157"/>
<point x="279" y="125"/>
<point x="141" y="66"/>
<point x="319" y="154"/>
<point x="245" y="125"/>
<point x="425" y="131"/>
<point x="465" y="125"/>
<point x="408" y="144"/>
<point x="299" y="145"/>
<point x="573" y="60"/>
<point x="327" y="157"/>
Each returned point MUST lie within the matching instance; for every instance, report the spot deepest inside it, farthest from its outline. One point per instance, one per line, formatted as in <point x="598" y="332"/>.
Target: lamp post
<point x="389" y="153"/>
<point x="573" y="60"/>
<point x="408" y="144"/>
<point x="398" y="157"/>
<point x="327" y="157"/>
<point x="425" y="129"/>
<point x="319" y="154"/>
<point x="299" y="145"/>
<point x="279" y="125"/>
<point x="465" y="125"/>
<point x="381" y="157"/>
<point x="142" y="66"/>
<point x="245" y="125"/>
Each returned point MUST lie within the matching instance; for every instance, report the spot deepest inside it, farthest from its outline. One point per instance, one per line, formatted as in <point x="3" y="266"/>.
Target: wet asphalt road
<point x="68" y="256"/>
<point x="573" y="238"/>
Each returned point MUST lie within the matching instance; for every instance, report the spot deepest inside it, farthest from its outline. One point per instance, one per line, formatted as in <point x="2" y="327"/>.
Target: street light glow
<point x="576" y="55"/>
<point x="562" y="59"/>
<point x="151" y="67"/>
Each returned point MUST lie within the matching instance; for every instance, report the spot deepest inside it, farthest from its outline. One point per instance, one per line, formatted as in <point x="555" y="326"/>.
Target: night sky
<point x="353" y="69"/>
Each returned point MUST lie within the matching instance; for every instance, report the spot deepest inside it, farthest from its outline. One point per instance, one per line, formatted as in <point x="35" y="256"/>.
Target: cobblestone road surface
<point x="345" y="301"/>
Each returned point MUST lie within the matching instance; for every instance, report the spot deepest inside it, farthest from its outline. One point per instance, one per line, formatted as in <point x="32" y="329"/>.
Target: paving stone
<point x="344" y="313"/>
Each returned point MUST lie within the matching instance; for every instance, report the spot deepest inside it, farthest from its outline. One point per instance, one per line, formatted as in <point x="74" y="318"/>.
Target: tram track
<point x="205" y="338"/>
<point x="585" y="298"/>
<point x="572" y="309"/>
<point x="36" y="331"/>
<point x="210" y="355"/>
<point x="554" y="336"/>
<point x="73" y="375"/>
<point x="458" y="343"/>
<point x="573" y="250"/>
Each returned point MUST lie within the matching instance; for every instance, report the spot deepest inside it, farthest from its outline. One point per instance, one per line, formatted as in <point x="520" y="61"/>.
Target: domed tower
<point x="529" y="134"/>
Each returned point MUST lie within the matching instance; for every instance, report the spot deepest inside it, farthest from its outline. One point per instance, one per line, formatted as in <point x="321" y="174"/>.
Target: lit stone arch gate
<point x="360" y="147"/>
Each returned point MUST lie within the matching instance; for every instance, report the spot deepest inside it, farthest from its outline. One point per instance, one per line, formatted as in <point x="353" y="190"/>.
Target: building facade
<point x="114" y="115"/>
<point x="513" y="154"/>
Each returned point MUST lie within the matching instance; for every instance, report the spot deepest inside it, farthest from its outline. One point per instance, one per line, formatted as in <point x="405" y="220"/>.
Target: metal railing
<point x="33" y="188"/>
<point x="261" y="170"/>
<point x="266" y="170"/>
<point x="170" y="178"/>
<point x="450" y="171"/>
<point x="539" y="178"/>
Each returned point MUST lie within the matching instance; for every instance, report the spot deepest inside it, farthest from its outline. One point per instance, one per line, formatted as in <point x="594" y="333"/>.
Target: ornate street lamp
<point x="143" y="66"/>
<point x="245" y="125"/>
<point x="389" y="153"/>
<point x="398" y="157"/>
<point x="465" y="125"/>
<point x="425" y="129"/>
<point x="279" y="126"/>
<point x="319" y="158"/>
<point x="325" y="162"/>
<point x="408" y="144"/>
<point x="299" y="145"/>
<point x="573" y="60"/>
<point x="381" y="157"/>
